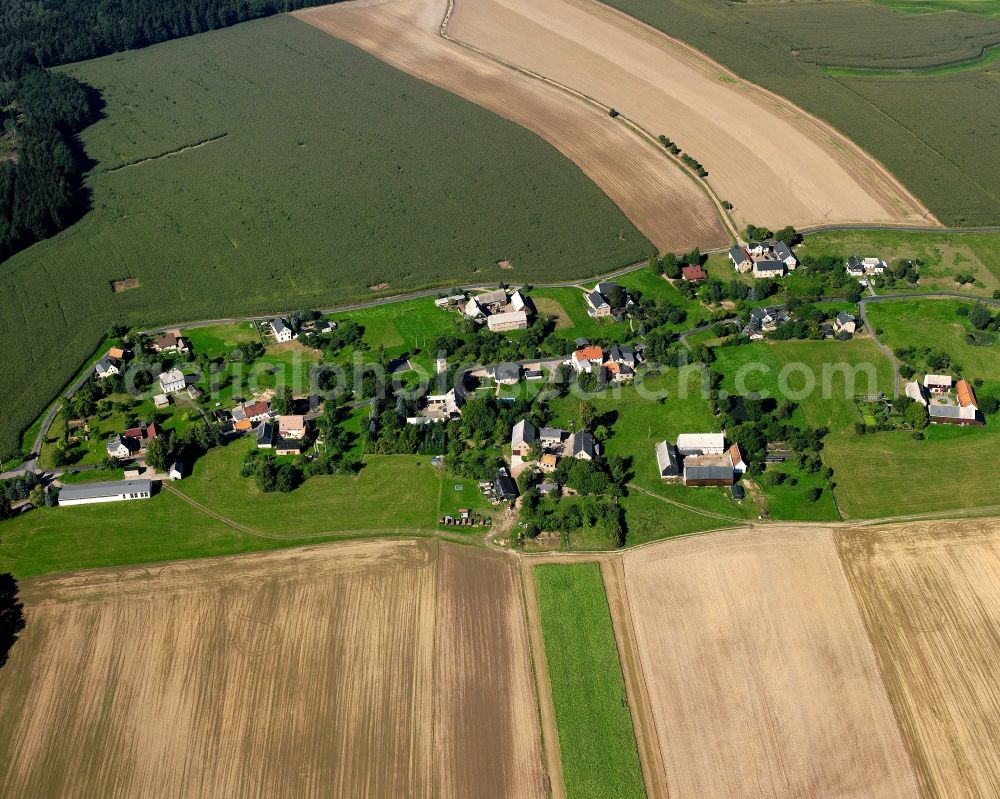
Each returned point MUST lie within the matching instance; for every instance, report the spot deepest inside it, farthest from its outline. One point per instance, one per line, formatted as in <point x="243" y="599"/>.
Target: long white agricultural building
<point x="118" y="491"/>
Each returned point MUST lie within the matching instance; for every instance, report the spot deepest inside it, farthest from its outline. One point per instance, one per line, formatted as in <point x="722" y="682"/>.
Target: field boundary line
<point x="168" y="154"/>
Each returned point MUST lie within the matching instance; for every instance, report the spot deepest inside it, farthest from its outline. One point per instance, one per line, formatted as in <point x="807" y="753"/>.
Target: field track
<point x="930" y="597"/>
<point x="306" y="672"/>
<point x="662" y="200"/>
<point x="774" y="162"/>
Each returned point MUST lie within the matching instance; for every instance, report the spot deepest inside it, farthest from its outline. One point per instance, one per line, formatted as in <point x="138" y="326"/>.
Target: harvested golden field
<point x="774" y="162"/>
<point x="307" y="672"/>
<point x="666" y="204"/>
<point x="760" y="676"/>
<point x="930" y="596"/>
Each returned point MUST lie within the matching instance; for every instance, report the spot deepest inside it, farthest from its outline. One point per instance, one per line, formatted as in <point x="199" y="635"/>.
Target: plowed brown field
<point x="774" y="162"/>
<point x="930" y="596"/>
<point x="309" y="672"/>
<point x="760" y="675"/>
<point x="662" y="201"/>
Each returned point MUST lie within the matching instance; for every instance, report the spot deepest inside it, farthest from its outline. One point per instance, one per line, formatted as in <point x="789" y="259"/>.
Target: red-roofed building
<point x="693" y="273"/>
<point x="587" y="358"/>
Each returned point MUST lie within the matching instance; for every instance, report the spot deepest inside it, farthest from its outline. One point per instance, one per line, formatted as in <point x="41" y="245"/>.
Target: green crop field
<point x="936" y="133"/>
<point x="322" y="172"/>
<point x="401" y="495"/>
<point x="868" y="36"/>
<point x="596" y="738"/>
<point x="988" y="7"/>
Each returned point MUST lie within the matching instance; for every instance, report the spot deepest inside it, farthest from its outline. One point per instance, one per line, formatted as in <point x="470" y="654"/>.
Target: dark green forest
<point x="41" y="166"/>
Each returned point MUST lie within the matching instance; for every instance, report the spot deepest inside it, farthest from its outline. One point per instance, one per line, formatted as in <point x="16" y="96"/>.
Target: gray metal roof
<point x="552" y="432"/>
<point x="769" y="266"/>
<point x="945" y="411"/>
<point x="101" y="490"/>
<point x="708" y="473"/>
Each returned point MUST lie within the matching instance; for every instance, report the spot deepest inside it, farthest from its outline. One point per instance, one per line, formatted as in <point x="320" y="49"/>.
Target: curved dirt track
<point x="663" y="201"/>
<point x="774" y="162"/>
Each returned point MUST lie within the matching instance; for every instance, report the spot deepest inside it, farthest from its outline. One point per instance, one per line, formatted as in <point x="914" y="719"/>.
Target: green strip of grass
<point x="989" y="55"/>
<point x="596" y="737"/>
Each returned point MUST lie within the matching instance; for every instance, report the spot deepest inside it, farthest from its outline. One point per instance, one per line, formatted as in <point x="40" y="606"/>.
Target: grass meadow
<point x="392" y="495"/>
<point x="935" y="132"/>
<point x="596" y="737"/>
<point x="942" y="256"/>
<point x="322" y="172"/>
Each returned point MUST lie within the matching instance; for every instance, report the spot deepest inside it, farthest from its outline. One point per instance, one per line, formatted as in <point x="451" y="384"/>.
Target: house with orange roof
<point x="586" y="359"/>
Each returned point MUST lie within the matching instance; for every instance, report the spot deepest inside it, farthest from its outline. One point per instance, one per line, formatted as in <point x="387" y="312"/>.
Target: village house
<point x="161" y="401"/>
<point x="267" y="435"/>
<point x="548" y="462"/>
<point x="176" y="471"/>
<point x="620" y="363"/>
<point x="854" y="267"/>
<point x="938" y="384"/>
<point x="251" y="412"/>
<point x="844" y="323"/>
<point x="507" y="374"/>
<point x="736" y="456"/>
<point x="764" y="320"/>
<point x="584" y="446"/>
<point x="499" y="311"/>
<point x="862" y="268"/>
<point x="107" y="367"/>
<point x="280" y="330"/>
<point x="740" y="259"/>
<point x="586" y="359"/>
<point x="607" y="299"/>
<point x="293" y="426"/>
<point x="131" y="443"/>
<point x="692" y="273"/>
<point x="504" y="488"/>
<point x="964" y="412"/>
<point x="508" y="320"/>
<point x="170" y="341"/>
<point x="552" y="438"/>
<point x="437" y="408"/>
<point x="171" y="382"/>
<point x="523" y="435"/>
<point x="93" y="493"/>
<point x="534" y="374"/>
<point x="768" y="269"/>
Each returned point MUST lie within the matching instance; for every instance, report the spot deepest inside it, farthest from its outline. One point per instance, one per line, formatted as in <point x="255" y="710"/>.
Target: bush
<point x="814" y="493"/>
